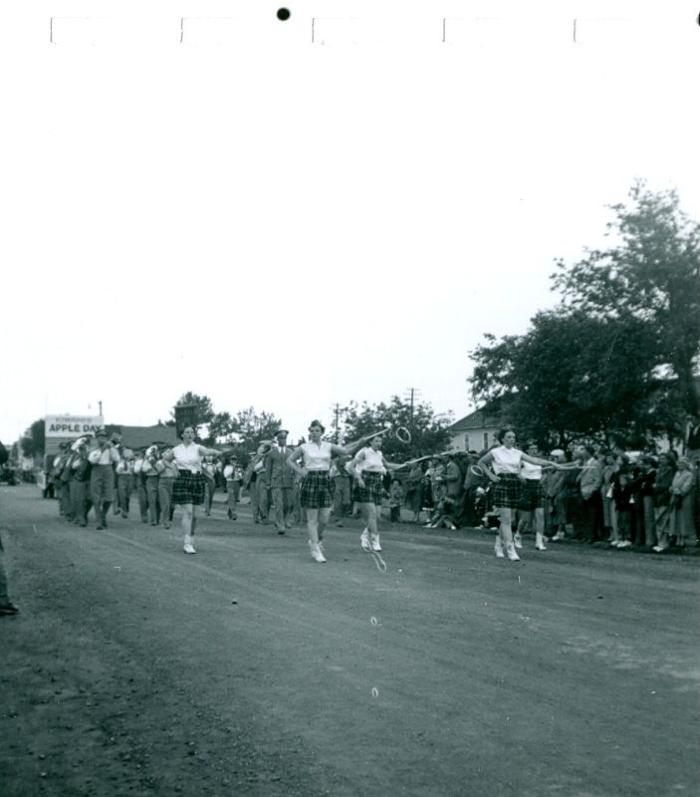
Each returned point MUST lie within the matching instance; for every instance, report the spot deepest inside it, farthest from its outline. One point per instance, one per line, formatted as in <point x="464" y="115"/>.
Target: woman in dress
<point x="370" y="467"/>
<point x="502" y="465"/>
<point x="188" y="490"/>
<point x="316" y="494"/>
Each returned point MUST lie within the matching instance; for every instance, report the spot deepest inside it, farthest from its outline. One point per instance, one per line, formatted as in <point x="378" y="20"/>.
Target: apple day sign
<point x="72" y="425"/>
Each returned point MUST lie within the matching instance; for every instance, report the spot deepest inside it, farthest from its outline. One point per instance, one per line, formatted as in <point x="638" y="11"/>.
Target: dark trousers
<point x="152" y="499"/>
<point x="165" y="498"/>
<point x="592" y="517"/>
<point x="79" y="501"/>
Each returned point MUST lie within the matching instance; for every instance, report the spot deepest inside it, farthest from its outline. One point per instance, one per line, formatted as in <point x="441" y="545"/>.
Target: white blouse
<point x="188" y="457"/>
<point x="529" y="471"/>
<point x="317" y="456"/>
<point x="369" y="461"/>
<point x="506" y="460"/>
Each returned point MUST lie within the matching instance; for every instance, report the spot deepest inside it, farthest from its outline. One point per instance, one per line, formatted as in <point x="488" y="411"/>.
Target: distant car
<point x="8" y="474"/>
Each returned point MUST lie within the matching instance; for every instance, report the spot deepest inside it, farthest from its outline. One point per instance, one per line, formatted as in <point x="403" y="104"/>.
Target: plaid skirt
<point x="316" y="490"/>
<point x="531" y="495"/>
<point x="507" y="490"/>
<point x="372" y="492"/>
<point x="188" y="488"/>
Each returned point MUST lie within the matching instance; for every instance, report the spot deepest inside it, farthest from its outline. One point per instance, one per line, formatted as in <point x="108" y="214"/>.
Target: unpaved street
<point x="250" y="669"/>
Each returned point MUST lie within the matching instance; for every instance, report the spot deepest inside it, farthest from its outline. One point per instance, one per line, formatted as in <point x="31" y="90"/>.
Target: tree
<point x="652" y="275"/>
<point x="34" y="439"/>
<point x="615" y="358"/>
<point x="428" y="430"/>
<point x="249" y="429"/>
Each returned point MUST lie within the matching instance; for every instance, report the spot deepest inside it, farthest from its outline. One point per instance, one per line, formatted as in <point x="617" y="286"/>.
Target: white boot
<point x="517" y="540"/>
<point x="375" y="542"/>
<point x="189" y="544"/>
<point x="364" y="541"/>
<point x="316" y="552"/>
<point x="512" y="553"/>
<point x="539" y="542"/>
<point x="498" y="548"/>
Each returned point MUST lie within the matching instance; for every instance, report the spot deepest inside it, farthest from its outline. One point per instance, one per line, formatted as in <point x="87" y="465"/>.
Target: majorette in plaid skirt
<point x="188" y="488"/>
<point x="531" y="495"/>
<point x="372" y="492"/>
<point x="507" y="490"/>
<point x="316" y="490"/>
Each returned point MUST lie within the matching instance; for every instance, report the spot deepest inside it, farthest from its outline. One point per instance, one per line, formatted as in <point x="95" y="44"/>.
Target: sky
<point x="197" y="196"/>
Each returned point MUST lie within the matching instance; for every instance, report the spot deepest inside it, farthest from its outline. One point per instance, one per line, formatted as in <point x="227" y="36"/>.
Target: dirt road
<point x="133" y="669"/>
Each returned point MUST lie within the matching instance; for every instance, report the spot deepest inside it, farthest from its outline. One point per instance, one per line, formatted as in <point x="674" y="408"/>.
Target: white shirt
<point x="528" y="471"/>
<point x="506" y="460"/>
<point x="188" y="457"/>
<point x="103" y="456"/>
<point x="317" y="456"/>
<point x="368" y="460"/>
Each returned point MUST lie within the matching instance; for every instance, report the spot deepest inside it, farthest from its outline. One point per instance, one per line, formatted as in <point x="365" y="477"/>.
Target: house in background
<point x="135" y="437"/>
<point x="475" y="432"/>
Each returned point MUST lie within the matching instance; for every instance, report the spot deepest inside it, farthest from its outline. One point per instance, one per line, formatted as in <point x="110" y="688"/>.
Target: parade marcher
<point x="167" y="473"/>
<point x="80" y="483"/>
<point x="150" y="474"/>
<point x="531" y="501"/>
<point x="188" y="490"/>
<point x="209" y="473"/>
<point x="316" y="494"/>
<point x="62" y="474"/>
<point x="103" y="459"/>
<point x="234" y="478"/>
<point x="116" y="439"/>
<point x="140" y="483"/>
<point x="280" y="479"/>
<point x="369" y="467"/>
<point x="506" y="462"/>
<point x="125" y="483"/>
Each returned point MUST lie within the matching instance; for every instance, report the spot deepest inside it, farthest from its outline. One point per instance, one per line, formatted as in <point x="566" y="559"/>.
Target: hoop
<point x="477" y="470"/>
<point x="402" y="434"/>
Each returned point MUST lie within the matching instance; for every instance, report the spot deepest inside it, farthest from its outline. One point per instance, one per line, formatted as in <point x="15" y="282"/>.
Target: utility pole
<point x="99" y="404"/>
<point x="336" y="422"/>
<point x="411" y="397"/>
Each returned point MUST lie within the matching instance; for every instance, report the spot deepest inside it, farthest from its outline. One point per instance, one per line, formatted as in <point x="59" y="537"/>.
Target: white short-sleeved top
<point x="506" y="460"/>
<point x="317" y="456"/>
<point x="188" y="457"/>
<point x="370" y="461"/>
<point x="529" y="471"/>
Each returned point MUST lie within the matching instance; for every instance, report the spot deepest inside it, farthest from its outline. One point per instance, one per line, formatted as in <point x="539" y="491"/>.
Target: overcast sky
<point x="286" y="224"/>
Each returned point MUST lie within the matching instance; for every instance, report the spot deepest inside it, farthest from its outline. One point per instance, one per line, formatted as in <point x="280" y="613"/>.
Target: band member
<point x="506" y="461"/>
<point x="125" y="483"/>
<point x="188" y="490"/>
<point x="140" y="480"/>
<point x="370" y="467"/>
<point x="79" y="483"/>
<point x="61" y="475"/>
<point x="280" y="478"/>
<point x="234" y="477"/>
<point x="167" y="473"/>
<point x="103" y="459"/>
<point x="209" y="472"/>
<point x="316" y="493"/>
<point x="342" y="497"/>
<point x="149" y="472"/>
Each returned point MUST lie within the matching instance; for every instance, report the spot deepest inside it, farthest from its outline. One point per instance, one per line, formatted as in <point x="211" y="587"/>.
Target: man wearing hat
<point x="61" y="475"/>
<point x="103" y="458"/>
<point x="280" y="478"/>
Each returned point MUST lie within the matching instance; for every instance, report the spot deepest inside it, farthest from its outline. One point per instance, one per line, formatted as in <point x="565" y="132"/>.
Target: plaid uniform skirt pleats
<point x="188" y="488"/>
<point x="316" y="490"/>
<point x="531" y="495"/>
<point x="372" y="492"/>
<point x="507" y="491"/>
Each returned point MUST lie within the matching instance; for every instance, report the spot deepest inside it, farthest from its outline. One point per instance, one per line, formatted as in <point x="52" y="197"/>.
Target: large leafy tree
<point x="651" y="275"/>
<point x="428" y="430"/>
<point x="616" y="357"/>
<point x="202" y="409"/>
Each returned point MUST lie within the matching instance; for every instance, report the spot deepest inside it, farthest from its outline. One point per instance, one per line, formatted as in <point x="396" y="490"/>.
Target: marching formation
<point x="517" y="490"/>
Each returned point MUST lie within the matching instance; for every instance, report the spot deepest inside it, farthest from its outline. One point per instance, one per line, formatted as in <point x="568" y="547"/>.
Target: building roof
<point x="479" y="419"/>
<point x="142" y="436"/>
